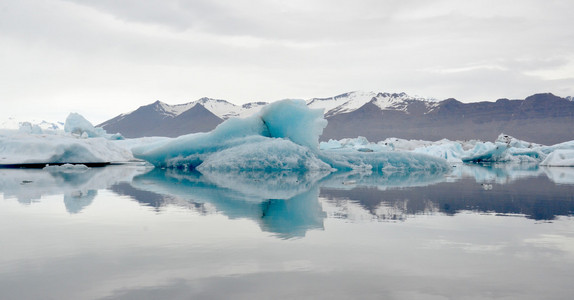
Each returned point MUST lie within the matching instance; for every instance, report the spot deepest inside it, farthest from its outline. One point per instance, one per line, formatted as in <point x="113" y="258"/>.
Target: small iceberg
<point x="82" y="143"/>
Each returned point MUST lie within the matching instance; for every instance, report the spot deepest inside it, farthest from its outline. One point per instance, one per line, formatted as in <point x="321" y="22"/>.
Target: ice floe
<point x="560" y="158"/>
<point x="80" y="143"/>
<point x="505" y="149"/>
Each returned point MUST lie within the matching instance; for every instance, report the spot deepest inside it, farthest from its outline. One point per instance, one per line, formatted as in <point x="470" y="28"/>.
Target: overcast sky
<point x="102" y="58"/>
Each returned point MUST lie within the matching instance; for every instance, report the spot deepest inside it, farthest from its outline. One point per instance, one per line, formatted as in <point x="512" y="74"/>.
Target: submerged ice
<point x="282" y="136"/>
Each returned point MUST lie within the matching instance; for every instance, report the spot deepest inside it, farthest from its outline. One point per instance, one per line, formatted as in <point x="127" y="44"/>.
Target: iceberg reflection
<point x="284" y="203"/>
<point x="78" y="186"/>
<point x="290" y="203"/>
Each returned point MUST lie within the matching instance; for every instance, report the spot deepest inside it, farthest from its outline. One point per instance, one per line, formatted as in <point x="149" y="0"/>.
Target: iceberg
<point x="77" y="125"/>
<point x="505" y="149"/>
<point x="559" y="158"/>
<point x="283" y="136"/>
<point x="27" y="127"/>
<point x="81" y="143"/>
<point x="31" y="149"/>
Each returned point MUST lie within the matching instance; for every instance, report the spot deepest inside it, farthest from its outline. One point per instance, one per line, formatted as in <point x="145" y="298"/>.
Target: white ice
<point x="505" y="149"/>
<point x="77" y="125"/>
<point x="560" y="158"/>
<point x="47" y="149"/>
<point x="81" y="143"/>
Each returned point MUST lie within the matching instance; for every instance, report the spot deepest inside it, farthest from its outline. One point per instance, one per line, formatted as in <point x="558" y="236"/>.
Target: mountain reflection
<point x="529" y="190"/>
<point x="289" y="204"/>
<point x="536" y="198"/>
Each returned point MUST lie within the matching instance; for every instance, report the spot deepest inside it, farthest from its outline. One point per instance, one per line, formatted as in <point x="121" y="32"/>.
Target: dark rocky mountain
<point x="541" y="118"/>
<point x="160" y="119"/>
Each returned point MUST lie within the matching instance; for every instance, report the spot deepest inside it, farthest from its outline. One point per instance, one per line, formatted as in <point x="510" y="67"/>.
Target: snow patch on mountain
<point x="352" y="101"/>
<point x="221" y="108"/>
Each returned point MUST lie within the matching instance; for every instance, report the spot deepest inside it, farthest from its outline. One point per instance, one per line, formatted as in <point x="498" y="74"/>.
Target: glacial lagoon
<point x="502" y="231"/>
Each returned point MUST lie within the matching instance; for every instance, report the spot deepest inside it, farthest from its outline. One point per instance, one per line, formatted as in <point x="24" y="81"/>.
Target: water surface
<point x="129" y="232"/>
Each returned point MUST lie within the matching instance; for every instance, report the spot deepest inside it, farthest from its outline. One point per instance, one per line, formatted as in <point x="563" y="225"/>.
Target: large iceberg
<point x="282" y="136"/>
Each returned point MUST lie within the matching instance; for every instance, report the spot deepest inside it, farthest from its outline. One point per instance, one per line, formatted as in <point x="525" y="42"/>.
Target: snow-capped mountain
<point x="225" y="110"/>
<point x="221" y="108"/>
<point x="162" y="119"/>
<point x="541" y="118"/>
<point x="348" y="102"/>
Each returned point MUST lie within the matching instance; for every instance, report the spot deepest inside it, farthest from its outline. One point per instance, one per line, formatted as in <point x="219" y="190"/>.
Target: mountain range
<point x="541" y="118"/>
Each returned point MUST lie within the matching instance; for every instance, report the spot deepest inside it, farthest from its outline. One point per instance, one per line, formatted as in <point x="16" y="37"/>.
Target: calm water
<point x="127" y="232"/>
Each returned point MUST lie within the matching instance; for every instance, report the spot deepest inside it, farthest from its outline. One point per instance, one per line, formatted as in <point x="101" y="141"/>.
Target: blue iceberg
<point x="283" y="136"/>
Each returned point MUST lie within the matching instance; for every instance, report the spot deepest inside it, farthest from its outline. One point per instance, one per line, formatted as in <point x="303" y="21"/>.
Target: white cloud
<point x="101" y="58"/>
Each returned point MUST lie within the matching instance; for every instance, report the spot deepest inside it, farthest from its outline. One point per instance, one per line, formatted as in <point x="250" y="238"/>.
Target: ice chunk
<point x="360" y="144"/>
<point x="48" y="149"/>
<point x="381" y="161"/>
<point x="514" y="142"/>
<point x="68" y="168"/>
<point x="451" y="151"/>
<point x="560" y="158"/>
<point x="279" y="155"/>
<point x="486" y="152"/>
<point x="505" y="149"/>
<point x="76" y="124"/>
<point x="27" y="127"/>
<point x="293" y="120"/>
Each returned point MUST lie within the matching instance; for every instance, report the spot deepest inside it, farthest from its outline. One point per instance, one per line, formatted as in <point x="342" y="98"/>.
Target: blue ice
<point x="283" y="136"/>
